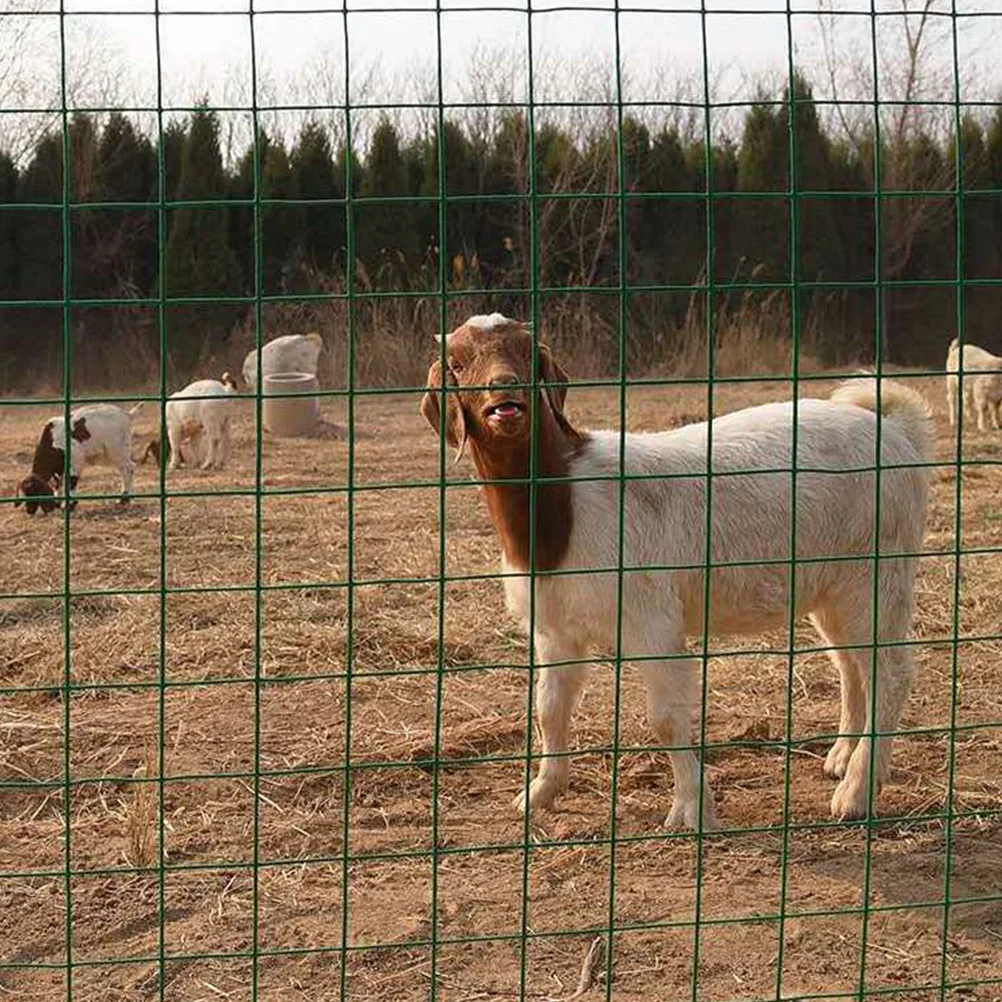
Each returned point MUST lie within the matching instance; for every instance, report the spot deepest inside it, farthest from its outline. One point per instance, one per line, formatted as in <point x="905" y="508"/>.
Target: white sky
<point x="300" y="53"/>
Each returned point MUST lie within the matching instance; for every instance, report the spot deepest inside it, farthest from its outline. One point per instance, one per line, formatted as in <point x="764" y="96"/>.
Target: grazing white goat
<point x="288" y="353"/>
<point x="97" y="432"/>
<point x="576" y="528"/>
<point x="198" y="422"/>
<point x="982" y="384"/>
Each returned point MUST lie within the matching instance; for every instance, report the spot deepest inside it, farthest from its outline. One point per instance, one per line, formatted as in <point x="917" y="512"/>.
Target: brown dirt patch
<point x="297" y="724"/>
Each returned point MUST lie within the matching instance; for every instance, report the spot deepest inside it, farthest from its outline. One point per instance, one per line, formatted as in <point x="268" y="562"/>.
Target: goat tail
<point x="133" y="411"/>
<point x="315" y="338"/>
<point x="898" y="403"/>
<point x="152" y="449"/>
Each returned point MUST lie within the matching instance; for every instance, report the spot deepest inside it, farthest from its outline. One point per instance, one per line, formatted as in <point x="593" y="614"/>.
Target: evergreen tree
<point x="357" y="173"/>
<point x="386" y="236"/>
<point x="818" y="254"/>
<point x="314" y="175"/>
<point x="88" y="262"/>
<point x="280" y="225"/>
<point x="762" y="228"/>
<point x="171" y="155"/>
<point x="83" y="135"/>
<point x="40" y="250"/>
<point x="114" y="251"/>
<point x="666" y="232"/>
<point x="849" y="316"/>
<point x="720" y="176"/>
<point x="199" y="260"/>
<point x="127" y="172"/>
<point x="993" y="179"/>
<point x="174" y="136"/>
<point x="423" y="214"/>
<point x="636" y="143"/>
<point x="993" y="150"/>
<point x="210" y="249"/>
<point x="982" y="233"/>
<point x="461" y="236"/>
<point x="507" y="245"/>
<point x="241" y="217"/>
<point x="41" y="244"/>
<point x="10" y="227"/>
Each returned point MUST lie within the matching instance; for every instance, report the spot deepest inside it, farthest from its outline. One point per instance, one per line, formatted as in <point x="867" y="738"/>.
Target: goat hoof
<point x="849" y="802"/>
<point x="541" y="796"/>
<point x="683" y="815"/>
<point x="837" y="761"/>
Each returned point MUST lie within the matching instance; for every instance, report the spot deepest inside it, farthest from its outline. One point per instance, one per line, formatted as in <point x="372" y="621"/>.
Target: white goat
<point x="288" y="353"/>
<point x="982" y="384"/>
<point x="97" y="432"/>
<point x="198" y="422"/>
<point x="665" y="523"/>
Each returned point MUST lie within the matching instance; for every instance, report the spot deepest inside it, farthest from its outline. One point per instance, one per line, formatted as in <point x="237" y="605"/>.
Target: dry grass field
<point x="298" y="723"/>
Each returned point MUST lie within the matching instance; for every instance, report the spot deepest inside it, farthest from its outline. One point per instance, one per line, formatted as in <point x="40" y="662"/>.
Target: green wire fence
<point x="342" y="958"/>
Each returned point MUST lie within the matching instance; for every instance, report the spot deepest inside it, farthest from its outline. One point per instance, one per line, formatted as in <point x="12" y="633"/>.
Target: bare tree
<point x="907" y="73"/>
<point x="30" y="77"/>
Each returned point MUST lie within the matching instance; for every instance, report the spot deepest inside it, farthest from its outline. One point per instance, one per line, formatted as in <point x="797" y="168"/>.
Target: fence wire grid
<point x="395" y="871"/>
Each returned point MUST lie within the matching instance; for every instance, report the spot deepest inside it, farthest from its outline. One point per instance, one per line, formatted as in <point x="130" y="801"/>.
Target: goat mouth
<point x="505" y="411"/>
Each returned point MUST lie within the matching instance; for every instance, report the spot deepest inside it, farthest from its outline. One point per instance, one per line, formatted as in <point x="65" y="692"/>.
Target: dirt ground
<point x="378" y="874"/>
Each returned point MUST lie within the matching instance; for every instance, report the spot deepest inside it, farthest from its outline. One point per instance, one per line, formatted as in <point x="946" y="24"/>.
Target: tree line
<point x="577" y="236"/>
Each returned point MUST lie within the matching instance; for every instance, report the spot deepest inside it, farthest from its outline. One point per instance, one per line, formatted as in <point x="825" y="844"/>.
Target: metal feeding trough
<point x="290" y="416"/>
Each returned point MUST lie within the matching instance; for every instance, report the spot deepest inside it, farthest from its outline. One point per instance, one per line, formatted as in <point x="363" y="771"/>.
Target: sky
<point x="205" y="50"/>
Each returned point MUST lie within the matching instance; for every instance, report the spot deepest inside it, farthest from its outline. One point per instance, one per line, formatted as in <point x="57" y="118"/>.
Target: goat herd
<point x="198" y="426"/>
<point x="756" y="522"/>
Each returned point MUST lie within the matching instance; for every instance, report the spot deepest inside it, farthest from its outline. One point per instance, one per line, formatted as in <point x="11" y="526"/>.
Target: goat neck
<point x="509" y="503"/>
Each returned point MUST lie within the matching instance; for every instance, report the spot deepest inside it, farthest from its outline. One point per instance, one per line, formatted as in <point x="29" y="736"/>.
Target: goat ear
<point x="80" y="431"/>
<point x="455" y="421"/>
<point x="552" y="373"/>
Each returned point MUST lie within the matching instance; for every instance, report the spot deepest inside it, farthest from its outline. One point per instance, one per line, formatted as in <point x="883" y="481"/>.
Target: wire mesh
<point x="783" y="902"/>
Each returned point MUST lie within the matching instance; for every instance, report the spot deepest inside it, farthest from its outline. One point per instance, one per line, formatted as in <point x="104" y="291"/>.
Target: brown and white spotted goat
<point x="97" y="432"/>
<point x="489" y="360"/>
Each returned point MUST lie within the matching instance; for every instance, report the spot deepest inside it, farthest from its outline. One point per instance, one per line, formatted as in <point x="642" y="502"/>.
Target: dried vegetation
<point x="296" y="717"/>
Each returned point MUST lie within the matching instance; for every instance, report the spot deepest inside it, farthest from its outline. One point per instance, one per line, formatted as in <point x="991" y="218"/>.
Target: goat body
<point x="982" y="385"/>
<point x="288" y="353"/>
<point x="751" y="526"/>
<point x="97" y="432"/>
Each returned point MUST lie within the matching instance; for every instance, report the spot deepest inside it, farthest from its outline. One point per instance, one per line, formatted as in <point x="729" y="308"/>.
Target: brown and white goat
<point x="97" y="431"/>
<point x="489" y="413"/>
<point x="198" y="423"/>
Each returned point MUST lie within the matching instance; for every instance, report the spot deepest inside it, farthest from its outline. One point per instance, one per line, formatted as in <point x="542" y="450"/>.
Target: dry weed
<point x="140" y="811"/>
<point x="348" y="725"/>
